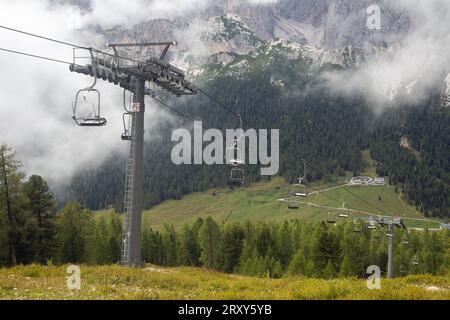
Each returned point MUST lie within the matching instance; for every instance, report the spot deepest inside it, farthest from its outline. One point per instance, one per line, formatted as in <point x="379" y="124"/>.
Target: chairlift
<point x="344" y="213"/>
<point x="300" y="193"/>
<point x="403" y="269"/>
<point x="331" y="217"/>
<point x="372" y="223"/>
<point x="377" y="233"/>
<point x="415" y="259"/>
<point x="235" y="154"/>
<point x="298" y="187"/>
<point x="236" y="159"/>
<point x="405" y="240"/>
<point x="357" y="226"/>
<point x="237" y="177"/>
<point x="92" y="118"/>
<point x="127" y="134"/>
<point x="389" y="232"/>
<point x="293" y="204"/>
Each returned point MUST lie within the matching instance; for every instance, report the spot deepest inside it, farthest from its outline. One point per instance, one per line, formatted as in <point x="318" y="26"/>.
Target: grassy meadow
<point x="115" y="282"/>
<point x="262" y="202"/>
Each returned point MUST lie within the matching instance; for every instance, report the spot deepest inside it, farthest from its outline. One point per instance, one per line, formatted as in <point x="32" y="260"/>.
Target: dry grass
<point x="115" y="282"/>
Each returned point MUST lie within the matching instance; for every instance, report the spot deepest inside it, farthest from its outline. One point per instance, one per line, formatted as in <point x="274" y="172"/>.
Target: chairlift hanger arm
<point x="304" y="169"/>
<point x="94" y="70"/>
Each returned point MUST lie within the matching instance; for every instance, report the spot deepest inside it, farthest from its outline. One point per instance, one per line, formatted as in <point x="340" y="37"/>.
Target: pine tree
<point x="114" y="245"/>
<point x="264" y="239"/>
<point x="233" y="237"/>
<point x="277" y="269"/>
<point x="344" y="269"/>
<point x="329" y="272"/>
<point x="170" y="246"/>
<point x="189" y="250"/>
<point x="20" y="227"/>
<point x="42" y="203"/>
<point x="210" y="243"/>
<point x="99" y="247"/>
<point x="284" y="244"/>
<point x="297" y="266"/>
<point x="152" y="246"/>
<point x="74" y="233"/>
<point x="310" y="269"/>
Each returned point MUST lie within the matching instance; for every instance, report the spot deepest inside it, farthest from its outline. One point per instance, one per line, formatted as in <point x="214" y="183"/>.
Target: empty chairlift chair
<point x="127" y="135"/>
<point x="299" y="189"/>
<point x="90" y="109"/>
<point x="237" y="177"/>
<point x="235" y="157"/>
<point x="344" y="213"/>
<point x="90" y="116"/>
<point x="298" y="186"/>
<point x="357" y="226"/>
<point x="402" y="269"/>
<point x="415" y="259"/>
<point x="331" y="217"/>
<point x="372" y="223"/>
<point x="405" y="240"/>
<point x="293" y="204"/>
<point x="390" y="232"/>
<point x="377" y="233"/>
<point x="237" y="172"/>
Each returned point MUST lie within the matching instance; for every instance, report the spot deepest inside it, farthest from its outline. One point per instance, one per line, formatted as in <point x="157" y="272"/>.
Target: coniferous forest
<point x="32" y="231"/>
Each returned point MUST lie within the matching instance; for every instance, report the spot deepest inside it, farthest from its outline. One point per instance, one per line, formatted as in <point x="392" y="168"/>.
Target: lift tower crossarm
<point x="144" y="44"/>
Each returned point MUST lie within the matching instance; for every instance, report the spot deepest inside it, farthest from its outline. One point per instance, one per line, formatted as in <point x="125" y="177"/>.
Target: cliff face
<point x="333" y="31"/>
<point x="325" y="23"/>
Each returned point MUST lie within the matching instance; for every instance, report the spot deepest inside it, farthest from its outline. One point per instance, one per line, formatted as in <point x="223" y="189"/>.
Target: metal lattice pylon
<point x="128" y="198"/>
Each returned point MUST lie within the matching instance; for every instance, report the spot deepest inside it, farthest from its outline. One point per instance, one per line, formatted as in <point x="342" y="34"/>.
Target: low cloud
<point x="112" y="13"/>
<point x="262" y="2"/>
<point x="408" y="70"/>
<point x="36" y="95"/>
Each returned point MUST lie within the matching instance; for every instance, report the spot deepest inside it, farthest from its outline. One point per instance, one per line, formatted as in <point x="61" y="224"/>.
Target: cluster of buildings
<point x="369" y="181"/>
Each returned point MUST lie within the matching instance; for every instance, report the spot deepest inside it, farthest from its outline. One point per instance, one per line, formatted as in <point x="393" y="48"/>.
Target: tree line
<point x="294" y="248"/>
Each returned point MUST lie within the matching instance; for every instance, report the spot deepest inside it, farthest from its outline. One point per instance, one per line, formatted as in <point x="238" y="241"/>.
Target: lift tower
<point x="133" y="73"/>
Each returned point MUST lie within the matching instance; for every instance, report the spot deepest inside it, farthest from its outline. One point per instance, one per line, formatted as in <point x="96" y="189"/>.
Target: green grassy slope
<point x="38" y="282"/>
<point x="261" y="202"/>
